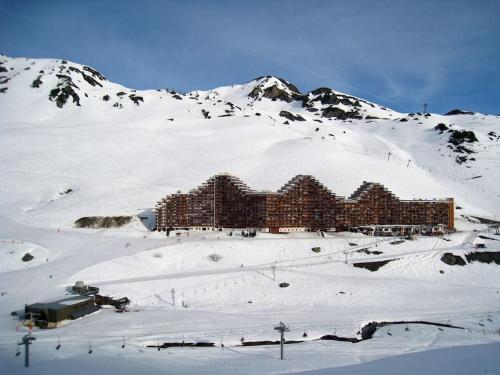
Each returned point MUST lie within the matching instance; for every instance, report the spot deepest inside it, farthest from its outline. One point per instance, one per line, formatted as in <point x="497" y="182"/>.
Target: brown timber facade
<point x="303" y="204"/>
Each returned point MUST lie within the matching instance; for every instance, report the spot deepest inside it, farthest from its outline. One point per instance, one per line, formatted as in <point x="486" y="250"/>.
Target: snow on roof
<point x="61" y="303"/>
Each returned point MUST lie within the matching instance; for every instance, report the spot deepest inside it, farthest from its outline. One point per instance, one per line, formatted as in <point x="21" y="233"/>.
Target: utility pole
<point x="173" y="296"/>
<point x="215" y="180"/>
<point x="282" y="328"/>
<point x="27" y="342"/>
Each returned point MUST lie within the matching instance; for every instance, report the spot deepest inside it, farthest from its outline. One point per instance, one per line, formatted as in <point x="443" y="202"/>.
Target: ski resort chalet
<point x="303" y="204"/>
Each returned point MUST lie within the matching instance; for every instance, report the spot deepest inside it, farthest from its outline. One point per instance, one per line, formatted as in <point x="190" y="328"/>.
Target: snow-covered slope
<point x="65" y="126"/>
<point x="221" y="301"/>
<point x="73" y="144"/>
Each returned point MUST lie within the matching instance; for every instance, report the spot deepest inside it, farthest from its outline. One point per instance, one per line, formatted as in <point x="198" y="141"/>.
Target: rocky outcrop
<point x="326" y="100"/>
<point x="441" y="128"/>
<point x="459" y="142"/>
<point x="89" y="79"/>
<point x="98" y="222"/>
<point x="136" y="98"/>
<point x="452" y="259"/>
<point x="292" y="117"/>
<point x="287" y="84"/>
<point x="37" y="82"/>
<point x="459" y="137"/>
<point x="275" y="88"/>
<point x="475" y="256"/>
<point x="484" y="257"/>
<point x="458" y="112"/>
<point x="340" y="114"/>
<point x="373" y="266"/>
<point x="65" y="89"/>
<point x="369" y="329"/>
<point x="27" y="257"/>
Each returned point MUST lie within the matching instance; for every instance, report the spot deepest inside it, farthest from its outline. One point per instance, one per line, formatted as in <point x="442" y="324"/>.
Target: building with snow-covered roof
<point x="302" y="204"/>
<point x="51" y="314"/>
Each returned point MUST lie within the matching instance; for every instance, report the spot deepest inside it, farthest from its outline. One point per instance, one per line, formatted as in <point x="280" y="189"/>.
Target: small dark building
<point x="50" y="314"/>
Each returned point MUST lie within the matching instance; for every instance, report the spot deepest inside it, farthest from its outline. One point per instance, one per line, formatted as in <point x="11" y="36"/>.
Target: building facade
<point x="303" y="204"/>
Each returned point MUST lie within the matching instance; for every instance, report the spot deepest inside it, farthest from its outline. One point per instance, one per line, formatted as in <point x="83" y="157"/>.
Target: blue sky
<point x="397" y="53"/>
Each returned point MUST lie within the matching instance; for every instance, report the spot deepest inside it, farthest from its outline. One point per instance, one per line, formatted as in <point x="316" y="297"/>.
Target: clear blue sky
<point x="398" y="53"/>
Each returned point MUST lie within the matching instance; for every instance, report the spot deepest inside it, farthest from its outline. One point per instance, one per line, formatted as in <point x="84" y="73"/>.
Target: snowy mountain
<point x="65" y="126"/>
<point x="73" y="144"/>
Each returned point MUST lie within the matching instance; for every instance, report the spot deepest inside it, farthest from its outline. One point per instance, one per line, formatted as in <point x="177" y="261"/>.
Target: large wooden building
<point x="303" y="204"/>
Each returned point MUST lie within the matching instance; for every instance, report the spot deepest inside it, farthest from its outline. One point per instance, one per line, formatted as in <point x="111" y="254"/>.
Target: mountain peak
<point x="274" y="88"/>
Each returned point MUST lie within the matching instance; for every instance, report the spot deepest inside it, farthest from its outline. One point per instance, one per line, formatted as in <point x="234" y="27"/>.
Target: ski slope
<point x="118" y="156"/>
<point x="121" y="160"/>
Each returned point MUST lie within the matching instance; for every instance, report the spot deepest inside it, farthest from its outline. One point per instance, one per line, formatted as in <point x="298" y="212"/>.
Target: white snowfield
<point x="12" y="251"/>
<point x="112" y="156"/>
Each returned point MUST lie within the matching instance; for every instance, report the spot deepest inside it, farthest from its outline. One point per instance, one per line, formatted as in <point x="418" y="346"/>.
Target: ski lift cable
<point x="349" y="323"/>
<point x="147" y="334"/>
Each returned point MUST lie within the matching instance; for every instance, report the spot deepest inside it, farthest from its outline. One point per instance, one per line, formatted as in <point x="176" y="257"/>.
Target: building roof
<point x="60" y="304"/>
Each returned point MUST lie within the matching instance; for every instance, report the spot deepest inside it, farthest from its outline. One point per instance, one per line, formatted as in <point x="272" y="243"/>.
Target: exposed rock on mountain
<point x="65" y="88"/>
<point x="340" y="113"/>
<point x="327" y="96"/>
<point x="291" y="116"/>
<point x="458" y="112"/>
<point x="275" y="89"/>
<point x="452" y="259"/>
<point x="441" y="128"/>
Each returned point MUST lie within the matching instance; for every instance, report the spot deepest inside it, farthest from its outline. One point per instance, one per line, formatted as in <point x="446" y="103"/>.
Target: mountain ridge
<point x="69" y="82"/>
<point x="269" y="86"/>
